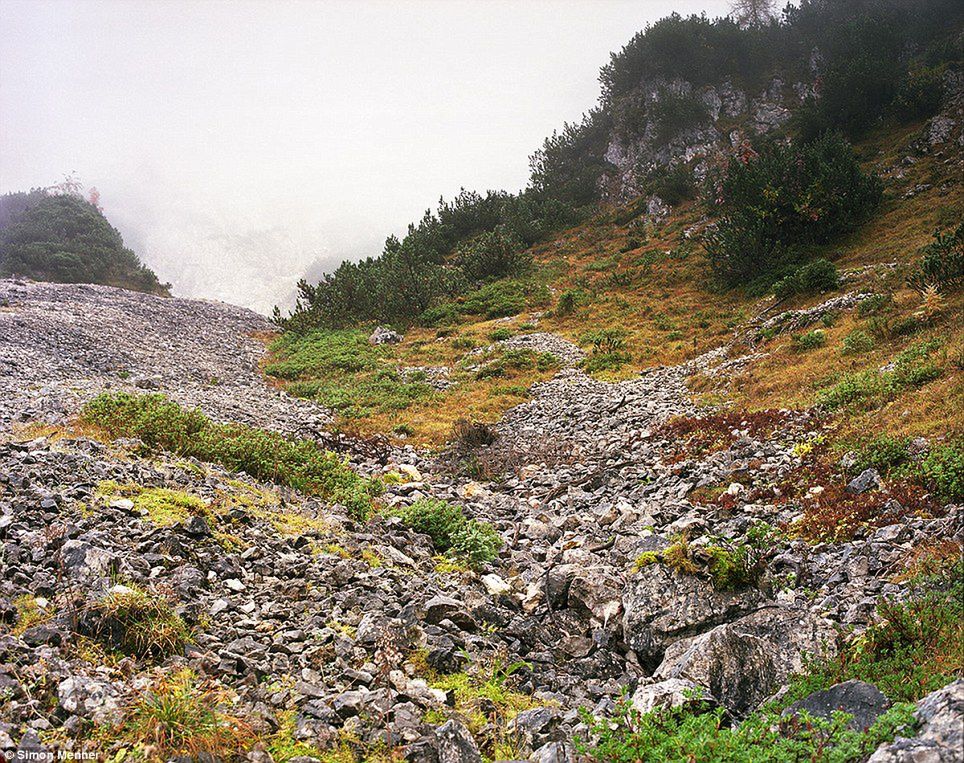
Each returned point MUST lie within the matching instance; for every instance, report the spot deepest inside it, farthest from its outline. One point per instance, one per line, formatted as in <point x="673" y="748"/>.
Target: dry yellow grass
<point x="660" y="295"/>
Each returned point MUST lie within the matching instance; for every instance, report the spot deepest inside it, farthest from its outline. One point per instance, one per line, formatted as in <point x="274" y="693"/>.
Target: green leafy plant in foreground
<point x="676" y="735"/>
<point x="451" y="531"/>
<point x="301" y="464"/>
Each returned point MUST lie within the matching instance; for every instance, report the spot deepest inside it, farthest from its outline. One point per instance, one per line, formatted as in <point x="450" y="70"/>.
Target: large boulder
<point x="595" y="594"/>
<point x="863" y="701"/>
<point x="536" y="727"/>
<point x="554" y="752"/>
<point x="661" y="606"/>
<point x="455" y="744"/>
<point x="86" y="566"/>
<point x="743" y="662"/>
<point x="940" y="738"/>
<point x="383" y="335"/>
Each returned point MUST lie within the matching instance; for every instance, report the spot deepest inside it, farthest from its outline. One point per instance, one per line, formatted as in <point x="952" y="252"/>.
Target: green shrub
<point x="465" y="343"/>
<point x="777" y="204"/>
<point x="857" y="342"/>
<point x="673" y="113"/>
<point x="814" y="277"/>
<point x="882" y="452"/>
<point x="919" y="93"/>
<point x="67" y="239"/>
<point x="943" y="470"/>
<point x="608" y="350"/>
<point x="341" y="370"/>
<point x="501" y="299"/>
<point x="810" y="341"/>
<point x="870" y="389"/>
<point x="569" y="300"/>
<point x="500" y="334"/>
<point x="602" y="265"/>
<point x="854" y="388"/>
<point x="451" y="531"/>
<point x="493" y="254"/>
<point x="568" y="164"/>
<point x="517" y="359"/>
<point x="873" y="304"/>
<point x="942" y="265"/>
<point x="301" y="464"/>
<point x="358" y="396"/>
<point x="905" y="326"/>
<point x="683" y="736"/>
<point x="606" y="361"/>
<point x="320" y="353"/>
<point x="673" y="185"/>
<point x="486" y="233"/>
<point x="867" y="73"/>
<point x="445" y="314"/>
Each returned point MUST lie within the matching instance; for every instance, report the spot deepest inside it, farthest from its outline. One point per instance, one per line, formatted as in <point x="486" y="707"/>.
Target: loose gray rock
<point x="868" y="479"/>
<point x="383" y="335"/>
<point x="455" y="744"/>
<point x="89" y="698"/>
<point x="940" y="738"/>
<point x="861" y="700"/>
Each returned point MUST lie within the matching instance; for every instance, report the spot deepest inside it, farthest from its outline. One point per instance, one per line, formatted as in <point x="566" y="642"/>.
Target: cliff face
<point x="722" y="116"/>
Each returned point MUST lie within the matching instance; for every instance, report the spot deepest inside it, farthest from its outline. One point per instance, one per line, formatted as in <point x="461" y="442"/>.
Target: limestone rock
<point x="661" y="606"/>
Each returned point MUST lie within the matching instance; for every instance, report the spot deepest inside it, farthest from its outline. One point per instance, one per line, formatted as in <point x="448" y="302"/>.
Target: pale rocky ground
<point x="304" y="621"/>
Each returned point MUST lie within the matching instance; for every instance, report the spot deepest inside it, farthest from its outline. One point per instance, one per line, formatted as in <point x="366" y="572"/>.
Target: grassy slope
<point x="658" y="293"/>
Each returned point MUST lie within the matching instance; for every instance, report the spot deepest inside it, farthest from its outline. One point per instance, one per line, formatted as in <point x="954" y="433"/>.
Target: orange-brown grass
<point x="664" y="302"/>
<point x="73" y="430"/>
<point x="661" y="296"/>
<point x="181" y="715"/>
<point x="895" y="235"/>
<point x="430" y="421"/>
<point x="792" y="378"/>
<point x="929" y="558"/>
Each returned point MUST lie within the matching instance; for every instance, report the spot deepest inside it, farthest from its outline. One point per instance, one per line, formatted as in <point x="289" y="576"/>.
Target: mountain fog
<point x="240" y="146"/>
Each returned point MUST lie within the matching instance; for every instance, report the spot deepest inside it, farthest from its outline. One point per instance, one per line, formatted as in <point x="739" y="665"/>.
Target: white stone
<point x="495" y="585"/>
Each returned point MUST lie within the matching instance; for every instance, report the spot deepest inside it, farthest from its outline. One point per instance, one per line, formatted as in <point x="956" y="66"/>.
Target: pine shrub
<point x="777" y="204"/>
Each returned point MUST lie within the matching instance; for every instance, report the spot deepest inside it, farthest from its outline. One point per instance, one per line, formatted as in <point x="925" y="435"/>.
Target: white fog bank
<point x="238" y="145"/>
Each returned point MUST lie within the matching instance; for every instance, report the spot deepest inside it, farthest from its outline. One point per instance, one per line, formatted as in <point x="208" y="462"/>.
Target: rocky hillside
<point x="545" y="481"/>
<point x="644" y="553"/>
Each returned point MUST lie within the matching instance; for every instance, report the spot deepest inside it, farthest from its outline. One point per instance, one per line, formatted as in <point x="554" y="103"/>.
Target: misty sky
<point x="239" y="144"/>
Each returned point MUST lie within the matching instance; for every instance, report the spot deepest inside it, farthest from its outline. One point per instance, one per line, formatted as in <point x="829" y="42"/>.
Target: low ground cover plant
<point x="302" y="464"/>
<point x="871" y="388"/>
<point x="729" y="563"/>
<point x="452" y="532"/>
